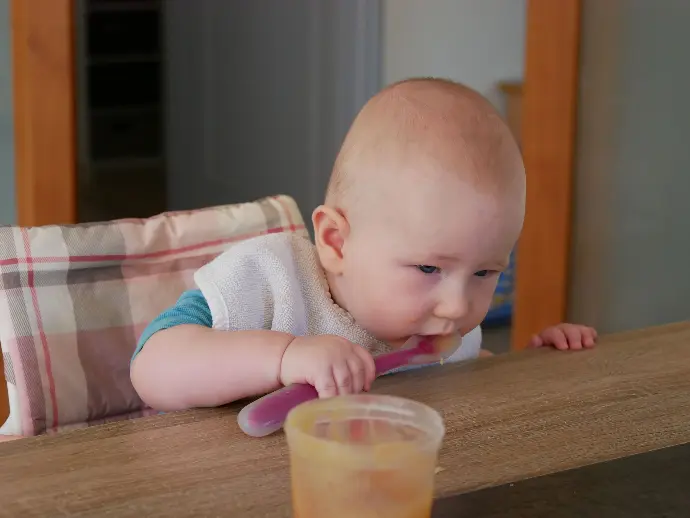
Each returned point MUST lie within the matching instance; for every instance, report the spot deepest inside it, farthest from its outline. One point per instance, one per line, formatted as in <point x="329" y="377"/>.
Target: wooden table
<point x="508" y="418"/>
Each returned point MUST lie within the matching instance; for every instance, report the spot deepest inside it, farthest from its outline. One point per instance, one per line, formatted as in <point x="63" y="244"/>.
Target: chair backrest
<point x="4" y="401"/>
<point x="74" y="300"/>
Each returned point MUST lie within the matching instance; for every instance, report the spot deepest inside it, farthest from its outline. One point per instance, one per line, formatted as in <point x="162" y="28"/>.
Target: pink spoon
<point x="267" y="414"/>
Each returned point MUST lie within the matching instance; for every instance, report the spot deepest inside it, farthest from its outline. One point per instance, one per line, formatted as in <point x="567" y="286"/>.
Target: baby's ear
<point x="330" y="231"/>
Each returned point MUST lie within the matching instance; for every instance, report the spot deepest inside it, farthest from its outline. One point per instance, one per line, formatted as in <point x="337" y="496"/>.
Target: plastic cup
<point x="363" y="456"/>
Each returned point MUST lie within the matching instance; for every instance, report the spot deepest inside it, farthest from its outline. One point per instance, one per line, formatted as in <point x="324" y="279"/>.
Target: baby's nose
<point x="452" y="308"/>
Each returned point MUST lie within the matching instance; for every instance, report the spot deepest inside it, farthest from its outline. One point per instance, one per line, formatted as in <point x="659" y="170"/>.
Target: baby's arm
<point x="194" y="366"/>
<point x="181" y="362"/>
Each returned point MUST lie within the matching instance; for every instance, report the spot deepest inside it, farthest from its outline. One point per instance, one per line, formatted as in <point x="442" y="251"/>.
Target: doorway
<point x="46" y="123"/>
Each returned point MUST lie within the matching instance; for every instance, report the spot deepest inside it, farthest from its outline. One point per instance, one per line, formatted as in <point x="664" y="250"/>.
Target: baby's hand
<point x="566" y="336"/>
<point x="333" y="365"/>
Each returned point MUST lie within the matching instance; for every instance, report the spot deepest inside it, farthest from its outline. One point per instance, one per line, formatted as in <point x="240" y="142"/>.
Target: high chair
<point x="75" y="298"/>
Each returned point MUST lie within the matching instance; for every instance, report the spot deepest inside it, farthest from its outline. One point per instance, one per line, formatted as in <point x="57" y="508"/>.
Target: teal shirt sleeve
<point x="190" y="308"/>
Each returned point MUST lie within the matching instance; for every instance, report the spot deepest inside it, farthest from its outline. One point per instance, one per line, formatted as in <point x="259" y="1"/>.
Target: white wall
<point x="477" y="42"/>
<point x="631" y="248"/>
<point x="261" y="93"/>
<point x="7" y="203"/>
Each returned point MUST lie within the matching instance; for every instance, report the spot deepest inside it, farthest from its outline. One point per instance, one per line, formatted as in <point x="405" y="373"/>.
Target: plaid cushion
<point x="75" y="298"/>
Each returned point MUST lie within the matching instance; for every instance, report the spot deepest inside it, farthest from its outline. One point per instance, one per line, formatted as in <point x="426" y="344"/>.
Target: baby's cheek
<point x="484" y="296"/>
<point x="391" y="301"/>
<point x="479" y="308"/>
<point x="393" y="318"/>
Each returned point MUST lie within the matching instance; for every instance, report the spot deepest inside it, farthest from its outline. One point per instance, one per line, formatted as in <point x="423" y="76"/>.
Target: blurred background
<point x="183" y="104"/>
<point x="224" y="101"/>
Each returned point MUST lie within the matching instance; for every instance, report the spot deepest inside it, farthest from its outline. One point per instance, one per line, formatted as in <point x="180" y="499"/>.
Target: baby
<point x="425" y="203"/>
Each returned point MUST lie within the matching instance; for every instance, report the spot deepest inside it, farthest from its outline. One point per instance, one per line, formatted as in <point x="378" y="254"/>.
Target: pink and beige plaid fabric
<point x="74" y="300"/>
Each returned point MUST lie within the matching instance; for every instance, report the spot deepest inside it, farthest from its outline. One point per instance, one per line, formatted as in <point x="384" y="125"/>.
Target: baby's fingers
<point x="326" y="385"/>
<point x="574" y="336"/>
<point x="366" y="361"/>
<point x="536" y="341"/>
<point x="556" y="337"/>
<point x="344" y="379"/>
<point x="589" y="337"/>
<point x="358" y="374"/>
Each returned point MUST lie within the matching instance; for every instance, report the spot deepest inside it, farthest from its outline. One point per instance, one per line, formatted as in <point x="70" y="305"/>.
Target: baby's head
<point x="425" y="203"/>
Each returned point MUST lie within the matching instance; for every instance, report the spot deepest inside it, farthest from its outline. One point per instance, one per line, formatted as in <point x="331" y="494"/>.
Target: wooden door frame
<point x="43" y="57"/>
<point x="549" y="116"/>
<point x="44" y="111"/>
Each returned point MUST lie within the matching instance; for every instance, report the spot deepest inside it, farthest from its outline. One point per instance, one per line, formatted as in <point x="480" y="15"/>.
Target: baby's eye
<point x="425" y="268"/>
<point x="482" y="273"/>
